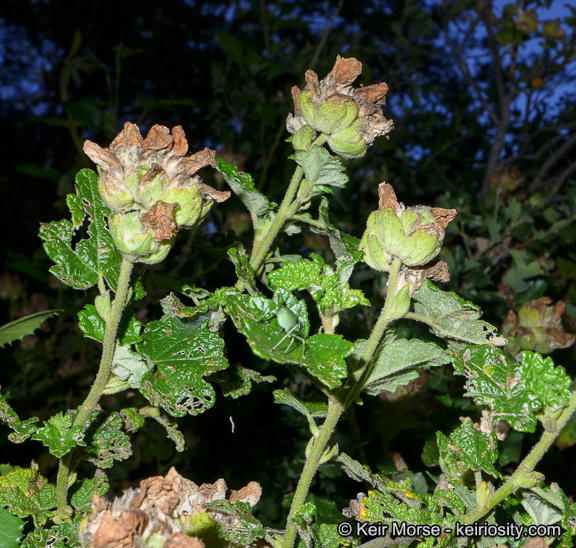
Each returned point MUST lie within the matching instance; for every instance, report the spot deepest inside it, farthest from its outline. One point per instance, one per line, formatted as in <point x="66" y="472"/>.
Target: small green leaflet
<point x="321" y="169"/>
<point x="21" y="327"/>
<point x="22" y="430"/>
<point x="59" y="435"/>
<point x="321" y="355"/>
<point x="26" y="492"/>
<point x="328" y="287"/>
<point x="495" y="379"/>
<point x="467" y="449"/>
<point x="80" y="265"/>
<point x="183" y="352"/>
<point x="342" y="244"/>
<point x="109" y="442"/>
<point x="94" y="326"/>
<point x="393" y="358"/>
<point x="84" y="490"/>
<point x="129" y="366"/>
<point x="240" y="526"/>
<point x="237" y="381"/>
<point x="454" y="319"/>
<point x="10" y="529"/>
<point x="242" y="185"/>
<point x="543" y="378"/>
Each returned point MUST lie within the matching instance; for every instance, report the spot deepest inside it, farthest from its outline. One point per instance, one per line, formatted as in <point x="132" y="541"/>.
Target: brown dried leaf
<point x="160" y="218"/>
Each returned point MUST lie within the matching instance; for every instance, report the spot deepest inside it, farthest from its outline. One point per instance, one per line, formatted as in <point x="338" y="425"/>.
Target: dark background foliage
<point x="483" y="106"/>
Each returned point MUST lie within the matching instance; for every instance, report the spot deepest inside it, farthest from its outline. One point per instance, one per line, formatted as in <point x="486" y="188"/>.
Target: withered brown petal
<point x="158" y="138"/>
<point x="443" y="216"/>
<point x="102" y="156"/>
<point x="180" y="142"/>
<point x="387" y="197"/>
<point x="375" y="94"/>
<point x="345" y="71"/>
<point x="129" y="136"/>
<point x="160" y="218"/>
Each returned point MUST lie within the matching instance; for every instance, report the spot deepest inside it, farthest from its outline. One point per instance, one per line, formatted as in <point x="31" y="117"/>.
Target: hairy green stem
<point x="84" y="411"/>
<point x="335" y="408"/>
<point x="523" y="476"/>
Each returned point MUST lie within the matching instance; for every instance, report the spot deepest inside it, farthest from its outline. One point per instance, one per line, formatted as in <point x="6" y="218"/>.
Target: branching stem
<point x="84" y="411"/>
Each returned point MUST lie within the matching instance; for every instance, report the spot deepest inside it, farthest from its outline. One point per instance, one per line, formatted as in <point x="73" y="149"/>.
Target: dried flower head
<point x="351" y="118"/>
<point x="152" y="188"/>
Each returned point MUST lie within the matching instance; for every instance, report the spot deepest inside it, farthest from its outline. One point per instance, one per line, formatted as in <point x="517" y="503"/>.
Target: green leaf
<point x="22" y="430"/>
<point x="321" y="168"/>
<point x="308" y="409"/>
<point x="548" y="382"/>
<point x="63" y="535"/>
<point x="10" y="529"/>
<point x="399" y="355"/>
<point x="183" y="352"/>
<point x="237" y="381"/>
<point x="360" y="473"/>
<point x="454" y="319"/>
<point x="94" y="326"/>
<point x="321" y="355"/>
<point x="27" y="493"/>
<point x="129" y="366"/>
<point x="495" y="379"/>
<point x="81" y="498"/>
<point x="21" y="327"/>
<point x="80" y="265"/>
<point x="59" y="435"/>
<point x="542" y="511"/>
<point x="242" y="185"/>
<point x="239" y="526"/>
<point x="467" y="449"/>
<point x="328" y="287"/>
<point x="108" y="443"/>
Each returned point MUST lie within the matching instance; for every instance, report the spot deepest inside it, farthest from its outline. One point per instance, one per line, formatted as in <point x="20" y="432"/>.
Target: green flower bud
<point x="328" y="117"/>
<point x="152" y="188"/>
<point x="302" y="139"/>
<point x="349" y="143"/>
<point x="414" y="235"/>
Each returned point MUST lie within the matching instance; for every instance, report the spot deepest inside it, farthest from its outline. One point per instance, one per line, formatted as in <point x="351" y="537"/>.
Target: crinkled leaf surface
<point x="467" y="449"/>
<point x="183" y="353"/>
<point x="59" y="435"/>
<point x="399" y="355"/>
<point x="328" y="287"/>
<point x="242" y="185"/>
<point x="241" y="527"/>
<point x="495" y="379"/>
<point x="543" y="378"/>
<point x="454" y="319"/>
<point x="108" y="443"/>
<point x="81" y="497"/>
<point x="18" y="329"/>
<point x="94" y="326"/>
<point x="10" y="529"/>
<point x="237" y="381"/>
<point x="321" y="355"/>
<point x="320" y="167"/>
<point x="63" y="535"/>
<point x="22" y="430"/>
<point x="26" y="492"/>
<point x="129" y="366"/>
<point x="80" y="264"/>
<point x="542" y="511"/>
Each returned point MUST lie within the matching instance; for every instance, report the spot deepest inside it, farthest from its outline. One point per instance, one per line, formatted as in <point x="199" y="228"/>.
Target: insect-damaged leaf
<point x="496" y="379"/>
<point x="80" y="265"/>
<point x="183" y="353"/>
<point x="454" y="319"/>
<point x="321" y="355"/>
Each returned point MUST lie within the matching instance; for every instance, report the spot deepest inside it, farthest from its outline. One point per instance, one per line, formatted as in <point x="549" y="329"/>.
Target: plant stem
<point x="523" y="475"/>
<point x="335" y="408"/>
<point x="100" y="382"/>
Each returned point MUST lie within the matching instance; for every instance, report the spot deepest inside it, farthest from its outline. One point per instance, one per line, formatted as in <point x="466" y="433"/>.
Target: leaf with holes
<point x="454" y="319"/>
<point x="467" y="449"/>
<point x="183" y="353"/>
<point x="79" y="265"/>
<point x="109" y="442"/>
<point x="495" y="379"/>
<point x="59" y="435"/>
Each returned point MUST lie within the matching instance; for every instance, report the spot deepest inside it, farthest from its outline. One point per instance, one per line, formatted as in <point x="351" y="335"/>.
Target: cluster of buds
<point x="152" y="188"/>
<point x="349" y="118"/>
<point x="412" y="235"/>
